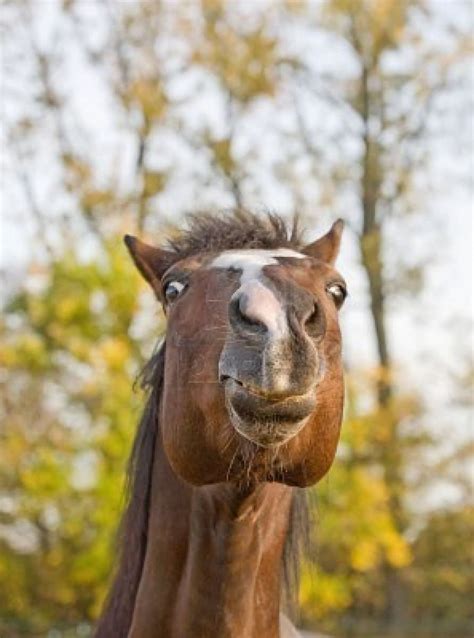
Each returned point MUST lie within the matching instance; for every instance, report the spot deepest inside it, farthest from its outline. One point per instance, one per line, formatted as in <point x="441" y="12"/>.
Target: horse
<point x="244" y="409"/>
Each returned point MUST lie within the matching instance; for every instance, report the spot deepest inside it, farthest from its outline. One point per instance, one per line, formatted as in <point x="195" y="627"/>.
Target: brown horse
<point x="245" y="408"/>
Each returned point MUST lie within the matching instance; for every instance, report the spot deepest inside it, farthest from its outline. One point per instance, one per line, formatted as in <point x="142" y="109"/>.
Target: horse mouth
<point x="266" y="418"/>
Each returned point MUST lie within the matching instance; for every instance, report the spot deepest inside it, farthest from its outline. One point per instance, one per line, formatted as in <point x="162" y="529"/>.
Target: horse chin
<point x="264" y="420"/>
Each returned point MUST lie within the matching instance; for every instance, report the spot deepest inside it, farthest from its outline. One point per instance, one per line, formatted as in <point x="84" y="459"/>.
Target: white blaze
<point x="252" y="261"/>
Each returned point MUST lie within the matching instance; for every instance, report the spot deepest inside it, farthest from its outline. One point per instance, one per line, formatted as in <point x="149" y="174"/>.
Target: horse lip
<point x="266" y="395"/>
<point x="267" y="423"/>
<point x="251" y="406"/>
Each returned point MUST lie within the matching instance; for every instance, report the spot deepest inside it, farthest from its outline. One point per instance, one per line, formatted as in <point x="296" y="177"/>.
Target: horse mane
<point x="132" y="534"/>
<point x="205" y="232"/>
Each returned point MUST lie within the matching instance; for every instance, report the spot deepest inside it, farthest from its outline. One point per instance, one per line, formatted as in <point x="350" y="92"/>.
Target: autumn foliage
<point x="325" y="108"/>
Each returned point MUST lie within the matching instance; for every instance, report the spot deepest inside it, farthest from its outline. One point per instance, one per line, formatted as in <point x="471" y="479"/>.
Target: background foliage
<point x="122" y="117"/>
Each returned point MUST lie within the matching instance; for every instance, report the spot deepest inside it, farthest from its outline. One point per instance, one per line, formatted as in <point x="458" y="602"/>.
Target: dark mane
<point x="132" y="534"/>
<point x="205" y="233"/>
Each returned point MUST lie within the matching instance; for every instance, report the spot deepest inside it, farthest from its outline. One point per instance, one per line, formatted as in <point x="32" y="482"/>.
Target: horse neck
<point x="213" y="559"/>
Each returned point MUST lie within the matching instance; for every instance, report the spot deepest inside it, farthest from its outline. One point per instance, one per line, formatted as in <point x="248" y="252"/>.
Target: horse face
<point x="253" y="376"/>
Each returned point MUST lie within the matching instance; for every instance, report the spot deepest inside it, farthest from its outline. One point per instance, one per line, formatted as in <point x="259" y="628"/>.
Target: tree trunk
<point x="371" y="248"/>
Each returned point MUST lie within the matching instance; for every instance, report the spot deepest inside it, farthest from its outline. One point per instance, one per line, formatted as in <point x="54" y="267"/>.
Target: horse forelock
<point x="235" y="230"/>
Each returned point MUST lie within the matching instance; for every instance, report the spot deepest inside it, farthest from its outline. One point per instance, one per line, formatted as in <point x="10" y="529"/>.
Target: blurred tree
<point x="311" y="106"/>
<point x="442" y="577"/>
<point x="68" y="415"/>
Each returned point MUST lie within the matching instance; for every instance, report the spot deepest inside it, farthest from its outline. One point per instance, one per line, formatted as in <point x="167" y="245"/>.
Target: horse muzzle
<point x="270" y="364"/>
<point x="265" y="418"/>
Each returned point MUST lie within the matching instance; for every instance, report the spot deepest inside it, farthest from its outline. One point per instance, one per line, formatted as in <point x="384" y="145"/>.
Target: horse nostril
<point x="314" y="323"/>
<point x="241" y="318"/>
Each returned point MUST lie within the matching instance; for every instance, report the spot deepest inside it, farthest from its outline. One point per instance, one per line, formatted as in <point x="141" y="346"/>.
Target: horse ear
<point x="151" y="262"/>
<point x="326" y="248"/>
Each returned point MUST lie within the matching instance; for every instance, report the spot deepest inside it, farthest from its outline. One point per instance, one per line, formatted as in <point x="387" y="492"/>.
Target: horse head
<point x="253" y="384"/>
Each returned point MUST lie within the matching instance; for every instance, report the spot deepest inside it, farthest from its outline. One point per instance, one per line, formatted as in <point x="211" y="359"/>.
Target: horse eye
<point x="338" y="293"/>
<point x="172" y="290"/>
